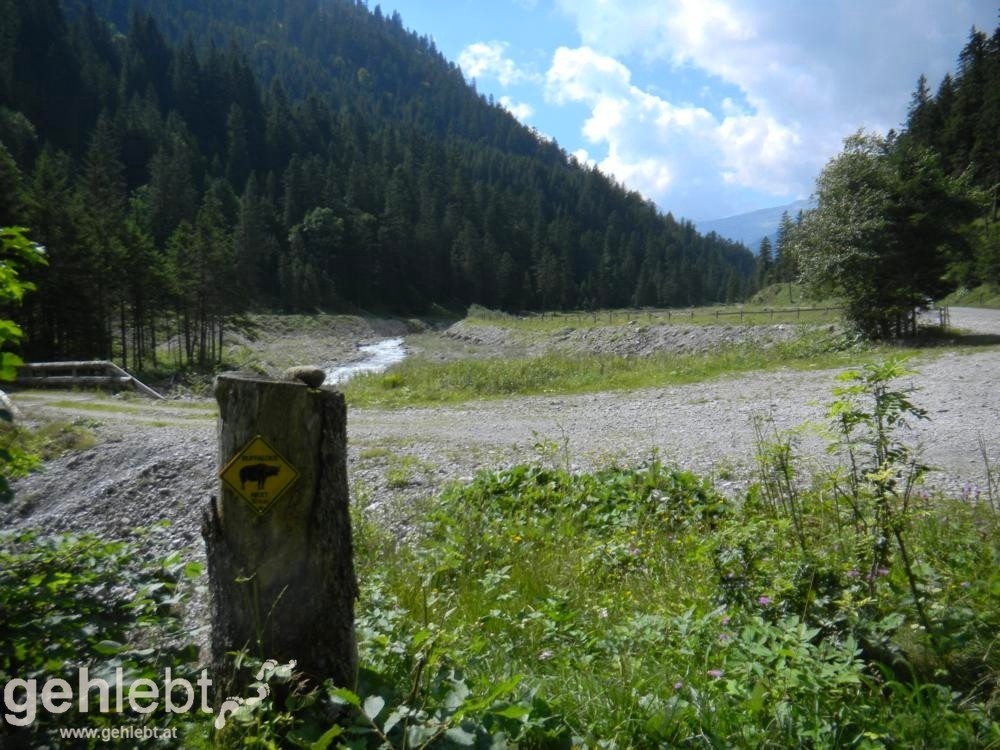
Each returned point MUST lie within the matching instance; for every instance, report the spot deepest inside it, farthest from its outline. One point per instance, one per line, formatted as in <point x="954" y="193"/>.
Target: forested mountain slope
<point x="296" y="154"/>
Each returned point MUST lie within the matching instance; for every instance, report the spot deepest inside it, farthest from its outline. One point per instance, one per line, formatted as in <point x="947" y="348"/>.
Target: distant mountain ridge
<point x="750" y="228"/>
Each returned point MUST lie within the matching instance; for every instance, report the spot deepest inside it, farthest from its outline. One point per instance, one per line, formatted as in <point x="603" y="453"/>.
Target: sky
<point x="709" y="108"/>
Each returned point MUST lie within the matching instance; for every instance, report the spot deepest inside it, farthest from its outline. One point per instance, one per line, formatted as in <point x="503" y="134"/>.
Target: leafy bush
<point x="16" y="252"/>
<point x="97" y="605"/>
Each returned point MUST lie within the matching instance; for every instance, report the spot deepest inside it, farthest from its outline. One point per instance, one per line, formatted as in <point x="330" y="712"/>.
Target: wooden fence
<point x="92" y="374"/>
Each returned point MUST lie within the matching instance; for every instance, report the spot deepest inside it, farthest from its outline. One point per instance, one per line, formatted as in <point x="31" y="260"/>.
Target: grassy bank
<point x="777" y="313"/>
<point x="417" y="382"/>
<point x="987" y="295"/>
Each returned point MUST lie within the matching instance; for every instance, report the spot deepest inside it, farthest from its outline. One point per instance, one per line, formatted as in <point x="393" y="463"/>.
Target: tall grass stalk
<point x="992" y="476"/>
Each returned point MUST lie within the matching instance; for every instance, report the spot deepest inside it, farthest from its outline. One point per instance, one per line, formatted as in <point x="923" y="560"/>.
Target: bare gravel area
<point x="635" y="338"/>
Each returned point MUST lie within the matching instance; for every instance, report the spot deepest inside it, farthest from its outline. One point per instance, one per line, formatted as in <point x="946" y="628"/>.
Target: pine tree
<point x="785" y="267"/>
<point x="765" y="263"/>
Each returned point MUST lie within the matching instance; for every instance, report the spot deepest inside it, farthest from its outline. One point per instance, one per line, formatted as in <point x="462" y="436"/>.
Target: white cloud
<point x="490" y="59"/>
<point x="808" y="73"/>
<point x="583" y="157"/>
<point x="674" y="154"/>
<point x="521" y="110"/>
<point x="583" y="74"/>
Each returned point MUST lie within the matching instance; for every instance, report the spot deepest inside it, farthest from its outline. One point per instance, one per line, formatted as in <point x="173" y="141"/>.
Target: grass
<point x="416" y="382"/>
<point x="778" y="312"/>
<point x="402" y="471"/>
<point x="636" y="607"/>
<point x="987" y="295"/>
<point x="186" y="412"/>
<point x="46" y="442"/>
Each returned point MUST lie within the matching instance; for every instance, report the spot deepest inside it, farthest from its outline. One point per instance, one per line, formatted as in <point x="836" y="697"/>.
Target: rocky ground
<point x="634" y="338"/>
<point x="157" y="461"/>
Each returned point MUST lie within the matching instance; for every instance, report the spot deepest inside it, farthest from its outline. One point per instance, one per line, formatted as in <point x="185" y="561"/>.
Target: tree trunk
<point x="124" y="334"/>
<point x="282" y="577"/>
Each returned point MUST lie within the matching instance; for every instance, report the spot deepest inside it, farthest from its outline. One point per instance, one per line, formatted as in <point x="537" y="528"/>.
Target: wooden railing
<point x="92" y="374"/>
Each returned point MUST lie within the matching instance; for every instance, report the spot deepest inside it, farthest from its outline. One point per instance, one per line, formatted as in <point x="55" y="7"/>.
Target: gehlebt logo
<point x="22" y="699"/>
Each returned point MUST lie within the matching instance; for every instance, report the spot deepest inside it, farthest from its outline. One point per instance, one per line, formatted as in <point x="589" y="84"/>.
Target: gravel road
<point x="157" y="461"/>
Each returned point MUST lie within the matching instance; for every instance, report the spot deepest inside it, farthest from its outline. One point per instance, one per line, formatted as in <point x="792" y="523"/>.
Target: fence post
<point x="278" y="535"/>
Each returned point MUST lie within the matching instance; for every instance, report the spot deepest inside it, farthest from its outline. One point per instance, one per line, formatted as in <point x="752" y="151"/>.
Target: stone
<point x="310" y="375"/>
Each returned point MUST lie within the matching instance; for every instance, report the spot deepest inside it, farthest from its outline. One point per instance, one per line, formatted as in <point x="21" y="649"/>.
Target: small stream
<point x="380" y="356"/>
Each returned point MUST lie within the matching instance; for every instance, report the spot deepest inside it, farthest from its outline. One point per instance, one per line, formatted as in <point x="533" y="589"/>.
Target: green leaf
<point x="108" y="648"/>
<point x="513" y="712"/>
<point x="756" y="700"/>
<point x="457" y="695"/>
<point x="398" y="714"/>
<point x="343" y="695"/>
<point x="461" y="737"/>
<point x="327" y="737"/>
<point x="373" y="706"/>
<point x="10" y="331"/>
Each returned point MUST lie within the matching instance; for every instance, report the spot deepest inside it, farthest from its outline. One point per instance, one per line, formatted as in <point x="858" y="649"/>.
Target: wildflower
<point x="603" y="613"/>
<point x="724" y="637"/>
<point x="715" y="673"/>
<point x="853" y="573"/>
<point x="970" y="491"/>
<point x="545" y="655"/>
<point x="678" y="685"/>
<point x="763" y="600"/>
<point x="725" y="620"/>
<point x="878" y="573"/>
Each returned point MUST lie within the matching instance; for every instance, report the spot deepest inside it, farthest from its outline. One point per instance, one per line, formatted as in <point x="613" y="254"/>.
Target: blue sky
<point x="708" y="107"/>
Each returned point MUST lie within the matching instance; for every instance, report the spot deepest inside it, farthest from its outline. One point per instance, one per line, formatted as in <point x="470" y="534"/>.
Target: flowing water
<point x="380" y="356"/>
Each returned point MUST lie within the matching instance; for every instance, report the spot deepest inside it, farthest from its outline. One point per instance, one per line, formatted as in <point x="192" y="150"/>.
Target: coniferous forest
<point x="183" y="162"/>
<point x="959" y="125"/>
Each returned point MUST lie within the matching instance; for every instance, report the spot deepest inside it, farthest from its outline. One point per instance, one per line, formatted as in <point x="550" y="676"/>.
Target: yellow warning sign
<point x="259" y="474"/>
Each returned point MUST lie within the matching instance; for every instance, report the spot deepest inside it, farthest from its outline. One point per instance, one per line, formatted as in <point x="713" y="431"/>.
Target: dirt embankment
<point x="634" y="339"/>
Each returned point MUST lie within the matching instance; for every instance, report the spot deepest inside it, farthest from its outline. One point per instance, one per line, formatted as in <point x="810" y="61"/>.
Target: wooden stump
<point x="282" y="577"/>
